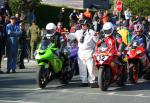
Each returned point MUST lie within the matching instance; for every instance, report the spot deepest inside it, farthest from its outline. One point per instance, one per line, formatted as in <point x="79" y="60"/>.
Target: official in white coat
<point x="87" y="39"/>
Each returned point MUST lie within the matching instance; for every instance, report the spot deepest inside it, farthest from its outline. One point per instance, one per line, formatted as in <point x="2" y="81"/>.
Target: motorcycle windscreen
<point x="44" y="44"/>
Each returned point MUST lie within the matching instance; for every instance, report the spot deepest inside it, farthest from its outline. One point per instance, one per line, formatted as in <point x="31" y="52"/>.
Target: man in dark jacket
<point x="22" y="46"/>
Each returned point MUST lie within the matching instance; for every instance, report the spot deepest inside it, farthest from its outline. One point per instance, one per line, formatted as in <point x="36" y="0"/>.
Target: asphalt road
<point x="21" y="87"/>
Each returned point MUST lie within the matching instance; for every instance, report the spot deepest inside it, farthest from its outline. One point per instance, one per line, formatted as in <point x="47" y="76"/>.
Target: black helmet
<point x="86" y="22"/>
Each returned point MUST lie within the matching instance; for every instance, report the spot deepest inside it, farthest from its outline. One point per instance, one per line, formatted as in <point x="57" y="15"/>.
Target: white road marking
<point x="140" y="95"/>
<point x="18" y="101"/>
<point x="103" y="94"/>
<point x="111" y="93"/>
<point x="19" y="89"/>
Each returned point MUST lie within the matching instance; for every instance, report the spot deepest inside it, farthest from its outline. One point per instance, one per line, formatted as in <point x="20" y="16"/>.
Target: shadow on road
<point x="66" y="86"/>
<point x="135" y="87"/>
<point x="11" y="82"/>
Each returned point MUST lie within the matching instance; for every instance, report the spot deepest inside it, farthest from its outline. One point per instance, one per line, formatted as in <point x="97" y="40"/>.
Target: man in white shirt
<point x="87" y="39"/>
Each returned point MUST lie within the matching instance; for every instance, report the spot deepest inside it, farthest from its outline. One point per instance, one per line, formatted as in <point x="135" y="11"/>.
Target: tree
<point x="138" y="7"/>
<point x="23" y="5"/>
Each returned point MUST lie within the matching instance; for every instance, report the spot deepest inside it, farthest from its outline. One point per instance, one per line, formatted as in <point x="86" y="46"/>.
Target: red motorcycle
<point x="138" y="63"/>
<point x="108" y="75"/>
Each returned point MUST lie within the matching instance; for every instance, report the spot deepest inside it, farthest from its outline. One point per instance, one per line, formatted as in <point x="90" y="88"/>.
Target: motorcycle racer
<point x="137" y="35"/>
<point x="56" y="38"/>
<point x="113" y="41"/>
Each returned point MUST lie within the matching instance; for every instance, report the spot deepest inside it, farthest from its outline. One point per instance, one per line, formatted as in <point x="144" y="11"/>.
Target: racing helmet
<point x="50" y="29"/>
<point x="108" y="29"/>
<point x="138" y="28"/>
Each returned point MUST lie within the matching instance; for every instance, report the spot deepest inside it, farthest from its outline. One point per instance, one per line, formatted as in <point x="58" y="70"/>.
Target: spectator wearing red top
<point x="61" y="29"/>
<point x="105" y="17"/>
<point x="87" y="14"/>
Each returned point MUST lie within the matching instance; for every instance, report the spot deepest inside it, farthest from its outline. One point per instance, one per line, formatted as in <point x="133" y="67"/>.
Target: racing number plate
<point x="102" y="58"/>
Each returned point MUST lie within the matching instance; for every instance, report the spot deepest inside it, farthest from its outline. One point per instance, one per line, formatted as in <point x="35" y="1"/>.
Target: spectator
<point x="43" y="32"/>
<point x="31" y="16"/>
<point x="61" y="16"/>
<point x="95" y="21"/>
<point x="7" y="21"/>
<point x="87" y="15"/>
<point x="17" y="18"/>
<point x="146" y="24"/>
<point x="127" y="14"/>
<point x="22" y="45"/>
<point x="80" y="17"/>
<point x="114" y="18"/>
<point x="74" y="16"/>
<point x="13" y="32"/>
<point x="34" y="34"/>
<point x="1" y="41"/>
<point x="60" y="29"/>
<point x="73" y="27"/>
<point x="7" y="8"/>
<point x="105" y="17"/>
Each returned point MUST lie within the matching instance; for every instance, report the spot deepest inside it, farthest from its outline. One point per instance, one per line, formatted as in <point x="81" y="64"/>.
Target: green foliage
<point x="14" y="6"/>
<point x="138" y="7"/>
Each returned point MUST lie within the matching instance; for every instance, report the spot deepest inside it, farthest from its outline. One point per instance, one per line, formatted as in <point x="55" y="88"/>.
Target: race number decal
<point x="102" y="58"/>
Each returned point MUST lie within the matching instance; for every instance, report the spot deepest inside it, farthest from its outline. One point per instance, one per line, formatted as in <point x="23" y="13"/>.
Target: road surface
<point x="21" y="87"/>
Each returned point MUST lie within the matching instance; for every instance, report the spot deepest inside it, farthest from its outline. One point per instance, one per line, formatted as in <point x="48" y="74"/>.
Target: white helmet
<point x="108" y="29"/>
<point x="50" y="29"/>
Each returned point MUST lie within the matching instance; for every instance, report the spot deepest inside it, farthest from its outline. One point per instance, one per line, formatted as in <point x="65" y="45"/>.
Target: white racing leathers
<point x="85" y="53"/>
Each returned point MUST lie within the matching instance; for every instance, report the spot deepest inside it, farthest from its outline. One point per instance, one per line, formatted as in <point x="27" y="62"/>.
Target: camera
<point x="82" y="39"/>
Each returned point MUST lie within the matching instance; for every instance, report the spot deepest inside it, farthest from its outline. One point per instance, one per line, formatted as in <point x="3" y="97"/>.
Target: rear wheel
<point x="123" y="77"/>
<point x="104" y="78"/>
<point x="147" y="75"/>
<point x="67" y="73"/>
<point x="133" y="73"/>
<point x="43" y="76"/>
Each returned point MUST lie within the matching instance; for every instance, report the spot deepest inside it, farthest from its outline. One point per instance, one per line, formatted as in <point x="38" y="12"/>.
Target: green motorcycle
<point x="51" y="65"/>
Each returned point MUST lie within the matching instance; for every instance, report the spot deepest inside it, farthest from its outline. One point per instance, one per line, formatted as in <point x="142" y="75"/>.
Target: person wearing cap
<point x="13" y="33"/>
<point x="34" y="35"/>
<point x="87" y="39"/>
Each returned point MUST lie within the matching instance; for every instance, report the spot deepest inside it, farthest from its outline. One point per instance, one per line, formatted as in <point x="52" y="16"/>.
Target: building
<point x="97" y="4"/>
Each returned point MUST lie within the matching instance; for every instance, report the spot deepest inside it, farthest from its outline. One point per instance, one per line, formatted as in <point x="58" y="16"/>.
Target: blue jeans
<point x="12" y="55"/>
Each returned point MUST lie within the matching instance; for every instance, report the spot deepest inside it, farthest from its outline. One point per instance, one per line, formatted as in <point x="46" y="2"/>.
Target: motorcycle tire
<point x="67" y="73"/>
<point x="123" y="78"/>
<point x="42" y="78"/>
<point x="147" y="75"/>
<point x="133" y="73"/>
<point x="104" y="78"/>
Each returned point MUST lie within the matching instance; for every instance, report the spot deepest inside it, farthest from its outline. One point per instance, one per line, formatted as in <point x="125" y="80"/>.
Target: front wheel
<point x="104" y="78"/>
<point x="42" y="77"/>
<point x="133" y="73"/>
